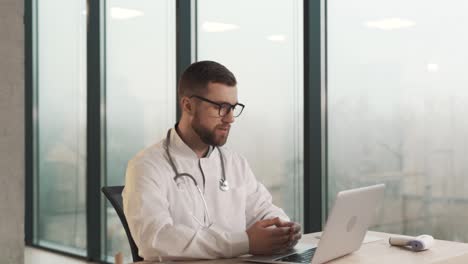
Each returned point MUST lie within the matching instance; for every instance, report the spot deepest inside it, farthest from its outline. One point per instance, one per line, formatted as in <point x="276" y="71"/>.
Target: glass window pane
<point x="140" y="91"/>
<point x="265" y="54"/>
<point x="397" y="110"/>
<point x="61" y="141"/>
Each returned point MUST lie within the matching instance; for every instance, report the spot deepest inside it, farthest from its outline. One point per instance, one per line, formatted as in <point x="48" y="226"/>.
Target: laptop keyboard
<point x="303" y="257"/>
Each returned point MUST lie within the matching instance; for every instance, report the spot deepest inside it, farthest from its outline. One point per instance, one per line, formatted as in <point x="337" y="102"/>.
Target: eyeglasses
<point x="224" y="108"/>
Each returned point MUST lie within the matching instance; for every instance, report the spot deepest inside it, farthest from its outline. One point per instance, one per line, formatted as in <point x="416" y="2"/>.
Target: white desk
<point x="380" y="252"/>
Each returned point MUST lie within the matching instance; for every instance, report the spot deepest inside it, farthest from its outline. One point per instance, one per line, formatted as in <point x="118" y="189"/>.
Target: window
<point x="60" y="92"/>
<point x="396" y="109"/>
<point x="140" y="91"/>
<point x="265" y="54"/>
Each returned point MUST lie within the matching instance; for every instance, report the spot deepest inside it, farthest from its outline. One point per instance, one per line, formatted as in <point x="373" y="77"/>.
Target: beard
<point x="208" y="136"/>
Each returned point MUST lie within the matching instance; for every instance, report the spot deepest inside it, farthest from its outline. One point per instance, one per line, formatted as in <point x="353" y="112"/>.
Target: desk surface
<point x="443" y="252"/>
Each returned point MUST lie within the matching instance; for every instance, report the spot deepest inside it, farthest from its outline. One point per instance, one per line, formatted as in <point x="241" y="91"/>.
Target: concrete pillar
<point x="11" y="131"/>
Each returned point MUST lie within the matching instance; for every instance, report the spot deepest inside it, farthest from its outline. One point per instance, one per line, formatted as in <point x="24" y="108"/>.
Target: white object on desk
<point x="419" y="243"/>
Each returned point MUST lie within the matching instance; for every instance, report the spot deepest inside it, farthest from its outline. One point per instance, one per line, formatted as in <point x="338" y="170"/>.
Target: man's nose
<point x="229" y="117"/>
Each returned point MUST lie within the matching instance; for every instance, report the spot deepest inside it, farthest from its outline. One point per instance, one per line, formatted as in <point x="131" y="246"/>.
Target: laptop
<point x="344" y="232"/>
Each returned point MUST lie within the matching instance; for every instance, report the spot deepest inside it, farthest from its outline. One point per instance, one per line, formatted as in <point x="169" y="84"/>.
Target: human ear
<point x="187" y="105"/>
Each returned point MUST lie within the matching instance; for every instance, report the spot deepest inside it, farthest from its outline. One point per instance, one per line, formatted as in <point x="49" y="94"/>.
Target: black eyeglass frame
<point x="221" y="105"/>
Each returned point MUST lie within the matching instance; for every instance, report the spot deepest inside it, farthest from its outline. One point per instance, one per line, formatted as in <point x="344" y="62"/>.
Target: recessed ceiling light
<point x="124" y="13"/>
<point x="390" y="23"/>
<point x="277" y="38"/>
<point x="218" y="27"/>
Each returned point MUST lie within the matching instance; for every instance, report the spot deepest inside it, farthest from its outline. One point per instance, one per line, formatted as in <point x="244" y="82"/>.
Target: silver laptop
<point x="344" y="232"/>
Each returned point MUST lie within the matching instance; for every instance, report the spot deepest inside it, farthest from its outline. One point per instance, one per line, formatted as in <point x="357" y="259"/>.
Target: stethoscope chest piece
<point x="223" y="185"/>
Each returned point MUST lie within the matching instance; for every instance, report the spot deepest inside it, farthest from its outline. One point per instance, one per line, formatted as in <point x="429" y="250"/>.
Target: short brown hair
<point x="195" y="78"/>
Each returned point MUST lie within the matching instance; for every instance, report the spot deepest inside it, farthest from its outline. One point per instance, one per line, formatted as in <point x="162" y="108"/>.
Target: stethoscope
<point x="223" y="183"/>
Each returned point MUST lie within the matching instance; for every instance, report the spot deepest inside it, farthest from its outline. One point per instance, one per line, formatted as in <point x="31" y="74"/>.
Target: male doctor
<point x="187" y="197"/>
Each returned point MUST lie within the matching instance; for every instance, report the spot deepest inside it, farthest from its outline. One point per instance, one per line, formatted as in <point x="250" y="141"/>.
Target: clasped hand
<point x="273" y="236"/>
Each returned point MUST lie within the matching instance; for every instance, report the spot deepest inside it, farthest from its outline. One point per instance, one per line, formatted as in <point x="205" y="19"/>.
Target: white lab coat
<point x="159" y="212"/>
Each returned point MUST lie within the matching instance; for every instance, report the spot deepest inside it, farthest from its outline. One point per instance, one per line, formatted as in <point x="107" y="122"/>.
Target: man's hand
<point x="266" y="241"/>
<point x="295" y="232"/>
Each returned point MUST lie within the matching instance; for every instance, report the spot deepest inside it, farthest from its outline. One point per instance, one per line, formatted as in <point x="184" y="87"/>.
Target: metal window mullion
<point x="93" y="138"/>
<point x="314" y="117"/>
<point x="185" y="42"/>
<point x="29" y="213"/>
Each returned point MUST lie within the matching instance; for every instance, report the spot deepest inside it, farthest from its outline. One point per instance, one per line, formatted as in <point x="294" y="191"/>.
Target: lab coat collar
<point x="179" y="148"/>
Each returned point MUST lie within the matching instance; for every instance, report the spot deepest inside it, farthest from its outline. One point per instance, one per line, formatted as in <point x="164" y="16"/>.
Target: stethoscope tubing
<point x="223" y="184"/>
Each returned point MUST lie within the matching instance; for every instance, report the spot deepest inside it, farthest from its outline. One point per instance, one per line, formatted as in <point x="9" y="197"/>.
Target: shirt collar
<point x="179" y="148"/>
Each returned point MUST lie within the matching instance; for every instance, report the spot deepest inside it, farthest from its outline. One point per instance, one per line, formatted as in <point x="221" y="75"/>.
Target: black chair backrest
<point x="114" y="195"/>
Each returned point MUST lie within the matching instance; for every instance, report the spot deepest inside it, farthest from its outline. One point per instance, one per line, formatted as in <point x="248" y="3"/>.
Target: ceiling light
<point x="124" y="13"/>
<point x="218" y="27"/>
<point x="390" y="23"/>
<point x="277" y="38"/>
<point x="432" y="67"/>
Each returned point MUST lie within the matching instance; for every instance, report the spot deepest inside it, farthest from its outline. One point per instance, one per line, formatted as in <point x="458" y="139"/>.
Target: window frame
<point x="315" y="116"/>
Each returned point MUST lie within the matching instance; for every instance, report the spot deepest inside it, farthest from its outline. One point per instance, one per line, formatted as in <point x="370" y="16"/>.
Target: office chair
<point x="114" y="195"/>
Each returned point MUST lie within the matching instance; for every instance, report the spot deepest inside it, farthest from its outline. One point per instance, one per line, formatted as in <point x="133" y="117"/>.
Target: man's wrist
<point x="239" y="243"/>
